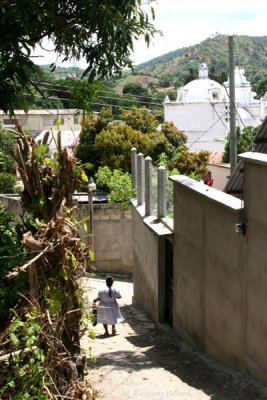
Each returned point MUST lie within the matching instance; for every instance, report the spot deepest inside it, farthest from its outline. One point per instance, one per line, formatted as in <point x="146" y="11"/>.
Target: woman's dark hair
<point x="109" y="280"/>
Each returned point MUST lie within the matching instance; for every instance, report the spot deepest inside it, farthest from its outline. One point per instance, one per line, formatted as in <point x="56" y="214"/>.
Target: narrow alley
<point x="143" y="361"/>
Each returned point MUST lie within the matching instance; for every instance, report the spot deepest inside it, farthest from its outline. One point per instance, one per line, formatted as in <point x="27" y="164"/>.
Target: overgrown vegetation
<point x="102" y="35"/>
<point x="8" y="180"/>
<point x="118" y="183"/>
<point x="243" y="140"/>
<point x="41" y="261"/>
<point x="11" y="254"/>
<point x="108" y="142"/>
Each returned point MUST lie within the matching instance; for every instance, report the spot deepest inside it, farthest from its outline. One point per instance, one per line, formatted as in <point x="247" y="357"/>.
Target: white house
<point x="37" y="121"/>
<point x="201" y="109"/>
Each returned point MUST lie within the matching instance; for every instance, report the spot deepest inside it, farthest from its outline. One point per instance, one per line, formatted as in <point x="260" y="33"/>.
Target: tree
<point x="100" y="32"/>
<point x="118" y="183"/>
<point x="47" y="318"/>
<point x="190" y="164"/>
<point x="9" y="246"/>
<point x="140" y="119"/>
<point x="87" y="151"/>
<point x="173" y="134"/>
<point x="261" y="88"/>
<point x="243" y="141"/>
<point x="138" y="128"/>
<point x="115" y="145"/>
<point x="7" y="164"/>
<point x="135" y="88"/>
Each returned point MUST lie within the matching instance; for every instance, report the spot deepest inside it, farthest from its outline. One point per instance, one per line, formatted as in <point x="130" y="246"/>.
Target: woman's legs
<point x="106" y="329"/>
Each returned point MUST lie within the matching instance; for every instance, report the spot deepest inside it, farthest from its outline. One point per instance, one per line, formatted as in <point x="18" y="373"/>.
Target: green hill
<point x="62" y="72"/>
<point x="180" y="66"/>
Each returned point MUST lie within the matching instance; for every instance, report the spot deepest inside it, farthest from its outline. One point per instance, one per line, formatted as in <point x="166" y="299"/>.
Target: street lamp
<point x="91" y="187"/>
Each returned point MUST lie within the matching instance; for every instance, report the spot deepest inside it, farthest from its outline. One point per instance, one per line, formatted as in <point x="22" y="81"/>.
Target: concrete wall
<point x="220" y="276"/>
<point x="149" y="263"/>
<point x="220" y="174"/>
<point x="208" y="270"/>
<point x="112" y="228"/>
<point x="255" y="348"/>
<point x="113" y="245"/>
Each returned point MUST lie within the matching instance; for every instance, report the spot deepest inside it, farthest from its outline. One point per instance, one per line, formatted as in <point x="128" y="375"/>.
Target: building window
<point x="76" y="120"/>
<point x="47" y="121"/>
<point x="215" y="95"/>
<point x="9" y="121"/>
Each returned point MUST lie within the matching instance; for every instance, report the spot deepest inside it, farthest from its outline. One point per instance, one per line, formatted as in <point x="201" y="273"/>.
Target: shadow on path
<point x="152" y="349"/>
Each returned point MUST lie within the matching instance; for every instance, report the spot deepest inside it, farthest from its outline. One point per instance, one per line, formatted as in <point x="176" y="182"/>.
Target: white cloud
<point x="188" y="22"/>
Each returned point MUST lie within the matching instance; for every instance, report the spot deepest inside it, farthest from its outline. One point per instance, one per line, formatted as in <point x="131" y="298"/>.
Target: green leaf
<point x="92" y="255"/>
<point x="14" y="340"/>
<point x="84" y="177"/>
<point x="16" y="324"/>
<point x="40" y="151"/>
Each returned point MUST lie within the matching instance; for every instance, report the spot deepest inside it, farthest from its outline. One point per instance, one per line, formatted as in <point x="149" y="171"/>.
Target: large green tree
<point x="87" y="151"/>
<point x="108" y="143"/>
<point x="115" y="145"/>
<point x="100" y="32"/>
<point x="140" y="119"/>
<point x="7" y="165"/>
<point x="243" y="141"/>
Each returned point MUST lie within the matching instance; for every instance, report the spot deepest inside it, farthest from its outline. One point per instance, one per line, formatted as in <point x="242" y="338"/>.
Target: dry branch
<point x="54" y="295"/>
<point x="5" y="357"/>
<point x="16" y="271"/>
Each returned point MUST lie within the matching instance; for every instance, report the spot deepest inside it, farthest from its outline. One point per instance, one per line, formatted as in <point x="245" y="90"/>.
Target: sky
<point x="188" y="22"/>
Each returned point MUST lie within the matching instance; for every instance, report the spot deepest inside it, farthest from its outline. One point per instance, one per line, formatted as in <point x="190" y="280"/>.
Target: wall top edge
<point x="253" y="157"/>
<point x="212" y="194"/>
<point x="159" y="227"/>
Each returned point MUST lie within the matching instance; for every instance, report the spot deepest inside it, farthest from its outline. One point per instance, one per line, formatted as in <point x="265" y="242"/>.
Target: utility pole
<point x="233" y="146"/>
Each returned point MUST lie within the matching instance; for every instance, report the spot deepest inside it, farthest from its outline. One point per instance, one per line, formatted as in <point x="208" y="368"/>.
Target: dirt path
<point x="145" y="362"/>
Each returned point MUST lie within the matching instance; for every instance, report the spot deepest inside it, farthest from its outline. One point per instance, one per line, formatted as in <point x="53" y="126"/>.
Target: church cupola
<point x="203" y="72"/>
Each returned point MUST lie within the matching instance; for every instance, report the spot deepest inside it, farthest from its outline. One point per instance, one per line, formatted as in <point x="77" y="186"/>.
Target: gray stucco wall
<point x="220" y="276"/>
<point x="149" y="263"/>
<point x="113" y="245"/>
<point x="207" y="272"/>
<point x="255" y="347"/>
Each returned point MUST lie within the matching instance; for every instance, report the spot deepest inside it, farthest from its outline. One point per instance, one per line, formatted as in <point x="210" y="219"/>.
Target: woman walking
<point x="108" y="312"/>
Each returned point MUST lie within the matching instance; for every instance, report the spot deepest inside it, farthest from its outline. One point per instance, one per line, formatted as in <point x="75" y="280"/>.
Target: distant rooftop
<point x="63" y="111"/>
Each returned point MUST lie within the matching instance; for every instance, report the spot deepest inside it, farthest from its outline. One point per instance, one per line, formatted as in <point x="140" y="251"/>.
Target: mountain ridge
<point x="176" y="68"/>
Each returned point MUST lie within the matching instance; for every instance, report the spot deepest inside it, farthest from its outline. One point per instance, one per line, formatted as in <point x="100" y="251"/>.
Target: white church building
<point x="201" y="109"/>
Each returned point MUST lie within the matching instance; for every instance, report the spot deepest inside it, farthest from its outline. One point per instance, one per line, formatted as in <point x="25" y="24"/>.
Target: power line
<point x="92" y="103"/>
<point x="68" y="91"/>
<point x="122" y="98"/>
<point x="203" y="133"/>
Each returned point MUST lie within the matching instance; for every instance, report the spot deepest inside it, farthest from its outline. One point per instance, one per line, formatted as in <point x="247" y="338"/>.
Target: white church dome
<point x="202" y="90"/>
